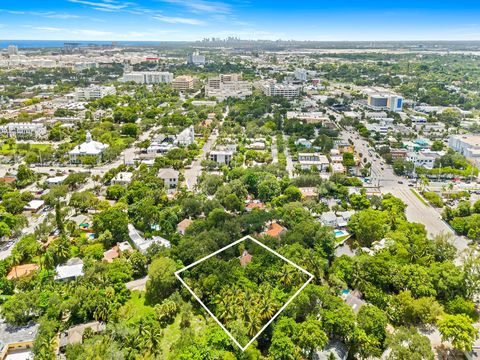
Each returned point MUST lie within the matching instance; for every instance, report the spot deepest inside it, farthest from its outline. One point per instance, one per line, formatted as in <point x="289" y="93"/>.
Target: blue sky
<point x="162" y="20"/>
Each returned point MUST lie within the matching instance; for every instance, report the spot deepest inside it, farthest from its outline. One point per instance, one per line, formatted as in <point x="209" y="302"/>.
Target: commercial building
<point x="184" y="83"/>
<point x="228" y="85"/>
<point x="24" y="130"/>
<point x="94" y="92"/>
<point x="385" y="101"/>
<point x="285" y="90"/>
<point x="467" y="145"/>
<point x="195" y="59"/>
<point x="148" y="77"/>
<point x="424" y="158"/>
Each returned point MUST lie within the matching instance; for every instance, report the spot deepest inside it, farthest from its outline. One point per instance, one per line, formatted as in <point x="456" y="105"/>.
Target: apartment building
<point x="147" y="77"/>
<point x="309" y="160"/>
<point x="94" y="92"/>
<point x="24" y="130"/>
<point x="184" y="83"/>
<point x="228" y="85"/>
<point x="285" y="90"/>
<point x="196" y="59"/>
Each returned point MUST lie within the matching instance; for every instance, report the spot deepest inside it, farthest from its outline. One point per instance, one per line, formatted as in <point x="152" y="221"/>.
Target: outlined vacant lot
<point x="244" y="287"/>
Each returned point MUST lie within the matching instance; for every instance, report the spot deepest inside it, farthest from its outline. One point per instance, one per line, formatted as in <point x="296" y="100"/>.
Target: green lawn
<point x="135" y="308"/>
<point x="171" y="334"/>
<point x="338" y="240"/>
<point x="6" y="150"/>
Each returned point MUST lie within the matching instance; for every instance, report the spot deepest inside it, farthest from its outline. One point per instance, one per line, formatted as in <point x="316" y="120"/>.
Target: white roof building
<point x="143" y="244"/>
<point x="88" y="148"/>
<point x="186" y="137"/>
<point x="122" y="178"/>
<point x="71" y="270"/>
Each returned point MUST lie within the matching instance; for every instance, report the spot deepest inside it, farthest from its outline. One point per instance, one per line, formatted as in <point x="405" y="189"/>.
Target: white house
<point x="186" y="137"/>
<point x="222" y="157"/>
<point x="143" y="244"/>
<point x="329" y="219"/>
<point x="169" y="177"/>
<point x="122" y="178"/>
<point x="88" y="148"/>
<point x="71" y="270"/>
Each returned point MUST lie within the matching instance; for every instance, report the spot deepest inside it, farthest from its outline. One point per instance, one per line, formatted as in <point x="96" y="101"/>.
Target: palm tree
<point x="48" y="260"/>
<point x="152" y="340"/>
<point x="286" y="274"/>
<point x="267" y="303"/>
<point x="424" y="182"/>
<point x="253" y="322"/>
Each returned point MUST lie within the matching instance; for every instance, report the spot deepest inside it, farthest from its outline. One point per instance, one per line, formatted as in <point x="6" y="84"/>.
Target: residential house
<point x="16" y="342"/>
<point x="245" y="259"/>
<point x="122" y="178"/>
<point x="74" y="335"/>
<point x="307" y="144"/>
<point x="70" y="271"/>
<point x="329" y="218"/>
<point x="221" y="157"/>
<point x="183" y="225"/>
<point x="275" y="230"/>
<point x="143" y="244"/>
<point x="21" y="271"/>
<point x="34" y="206"/>
<point x="169" y="177"/>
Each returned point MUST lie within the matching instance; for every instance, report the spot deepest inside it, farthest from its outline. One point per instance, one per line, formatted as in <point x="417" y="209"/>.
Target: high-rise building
<point x="195" y="59"/>
<point x="12" y="50"/>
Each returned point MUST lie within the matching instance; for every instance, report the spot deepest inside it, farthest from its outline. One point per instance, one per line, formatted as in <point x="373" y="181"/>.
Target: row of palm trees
<point x="252" y="307"/>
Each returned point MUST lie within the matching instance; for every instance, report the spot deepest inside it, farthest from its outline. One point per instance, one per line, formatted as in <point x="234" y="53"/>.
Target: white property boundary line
<point x="248" y="237"/>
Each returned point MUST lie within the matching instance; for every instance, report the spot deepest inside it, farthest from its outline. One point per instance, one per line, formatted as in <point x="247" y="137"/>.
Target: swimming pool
<point x="340" y="233"/>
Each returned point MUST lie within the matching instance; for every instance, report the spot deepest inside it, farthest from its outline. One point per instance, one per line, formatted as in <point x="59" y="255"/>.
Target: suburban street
<point x="274" y="151"/>
<point x="290" y="166"/>
<point x="192" y="174"/>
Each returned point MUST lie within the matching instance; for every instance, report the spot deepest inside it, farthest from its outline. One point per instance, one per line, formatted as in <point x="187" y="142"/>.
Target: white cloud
<point x="203" y="6"/>
<point x="105" y="4"/>
<point x="178" y="20"/>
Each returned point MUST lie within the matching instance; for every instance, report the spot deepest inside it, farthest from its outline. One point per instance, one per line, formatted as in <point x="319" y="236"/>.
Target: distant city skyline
<point x="189" y="20"/>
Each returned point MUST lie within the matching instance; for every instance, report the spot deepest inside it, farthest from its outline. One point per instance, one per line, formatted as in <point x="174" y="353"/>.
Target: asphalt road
<point x="388" y="182"/>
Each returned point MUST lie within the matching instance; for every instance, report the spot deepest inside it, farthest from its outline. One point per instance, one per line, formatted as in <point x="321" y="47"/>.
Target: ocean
<point x="32" y="44"/>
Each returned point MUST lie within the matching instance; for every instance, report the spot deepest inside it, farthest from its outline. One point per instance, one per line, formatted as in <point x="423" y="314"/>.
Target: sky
<point x="188" y="20"/>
